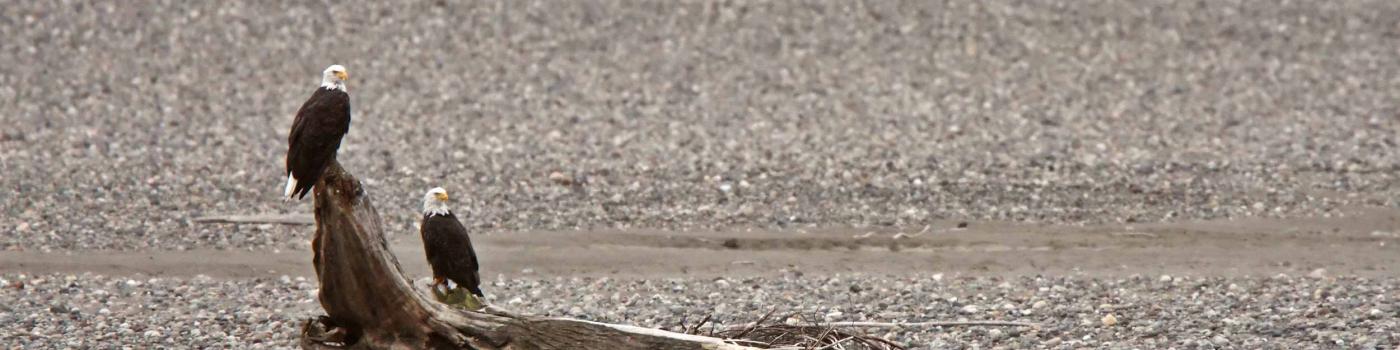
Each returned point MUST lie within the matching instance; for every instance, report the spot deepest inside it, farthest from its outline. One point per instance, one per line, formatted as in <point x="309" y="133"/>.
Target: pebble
<point x="1318" y="273"/>
<point x="561" y="178"/>
<point x="1109" y="320"/>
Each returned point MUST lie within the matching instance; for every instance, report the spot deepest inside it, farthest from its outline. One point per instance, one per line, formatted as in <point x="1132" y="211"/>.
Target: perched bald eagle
<point x="447" y="245"/>
<point x="320" y="124"/>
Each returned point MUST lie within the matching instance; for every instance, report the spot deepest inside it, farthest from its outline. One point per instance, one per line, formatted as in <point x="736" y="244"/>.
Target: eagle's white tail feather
<point x="291" y="186"/>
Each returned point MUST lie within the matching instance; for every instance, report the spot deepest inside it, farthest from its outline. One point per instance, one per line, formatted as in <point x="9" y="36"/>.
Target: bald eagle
<point x="447" y="245"/>
<point x="320" y="124"/>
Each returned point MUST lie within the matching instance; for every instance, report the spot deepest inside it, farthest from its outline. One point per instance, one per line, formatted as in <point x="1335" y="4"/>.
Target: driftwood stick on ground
<point x="930" y="324"/>
<point x="281" y="219"/>
<point x="370" y="304"/>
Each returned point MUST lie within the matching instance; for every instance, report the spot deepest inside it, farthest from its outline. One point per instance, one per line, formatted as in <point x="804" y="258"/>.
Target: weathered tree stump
<point x="370" y="304"/>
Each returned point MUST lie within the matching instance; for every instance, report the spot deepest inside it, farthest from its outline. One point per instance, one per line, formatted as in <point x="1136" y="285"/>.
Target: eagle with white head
<point x="316" y="133"/>
<point x="447" y="245"/>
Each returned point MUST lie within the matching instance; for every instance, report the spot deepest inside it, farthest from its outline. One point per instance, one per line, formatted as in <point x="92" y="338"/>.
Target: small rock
<point x="722" y="283"/>
<point x="1220" y="340"/>
<point x="732" y="243"/>
<point x="1318" y="273"/>
<point x="561" y="179"/>
<point x="1109" y="320"/>
<point x="996" y="334"/>
<point x="834" y="314"/>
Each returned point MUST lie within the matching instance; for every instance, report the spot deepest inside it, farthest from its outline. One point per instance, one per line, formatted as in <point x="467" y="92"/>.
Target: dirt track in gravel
<point x="1361" y="243"/>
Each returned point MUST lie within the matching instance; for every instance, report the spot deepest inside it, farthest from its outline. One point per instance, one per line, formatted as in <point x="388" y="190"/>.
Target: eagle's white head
<point x="435" y="202"/>
<point x="334" y="78"/>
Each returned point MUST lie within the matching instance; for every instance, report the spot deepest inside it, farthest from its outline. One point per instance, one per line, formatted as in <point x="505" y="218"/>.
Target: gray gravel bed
<point x="121" y="121"/>
<point x="64" y="311"/>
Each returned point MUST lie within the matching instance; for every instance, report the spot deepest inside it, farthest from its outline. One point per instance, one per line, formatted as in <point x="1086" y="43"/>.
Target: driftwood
<point x="797" y="337"/>
<point x="930" y="324"/>
<point x="370" y="304"/>
<point x="282" y="219"/>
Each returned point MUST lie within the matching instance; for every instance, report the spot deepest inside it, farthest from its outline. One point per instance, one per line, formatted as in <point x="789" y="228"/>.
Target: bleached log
<point x="370" y="304"/>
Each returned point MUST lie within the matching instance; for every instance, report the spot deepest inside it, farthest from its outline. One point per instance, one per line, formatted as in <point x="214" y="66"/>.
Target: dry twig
<point x="282" y="219"/>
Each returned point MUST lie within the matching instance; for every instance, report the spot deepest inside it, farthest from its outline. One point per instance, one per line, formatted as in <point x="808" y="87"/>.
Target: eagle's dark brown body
<point x="320" y="124"/>
<point x="450" y="252"/>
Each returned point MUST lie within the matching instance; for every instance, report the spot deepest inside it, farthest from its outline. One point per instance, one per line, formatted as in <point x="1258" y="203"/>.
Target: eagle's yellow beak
<point x="442" y="196"/>
<point x="342" y="75"/>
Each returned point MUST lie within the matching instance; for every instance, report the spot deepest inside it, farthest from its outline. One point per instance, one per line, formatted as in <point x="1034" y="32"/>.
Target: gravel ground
<point x="1278" y="312"/>
<point x="120" y="122"/>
